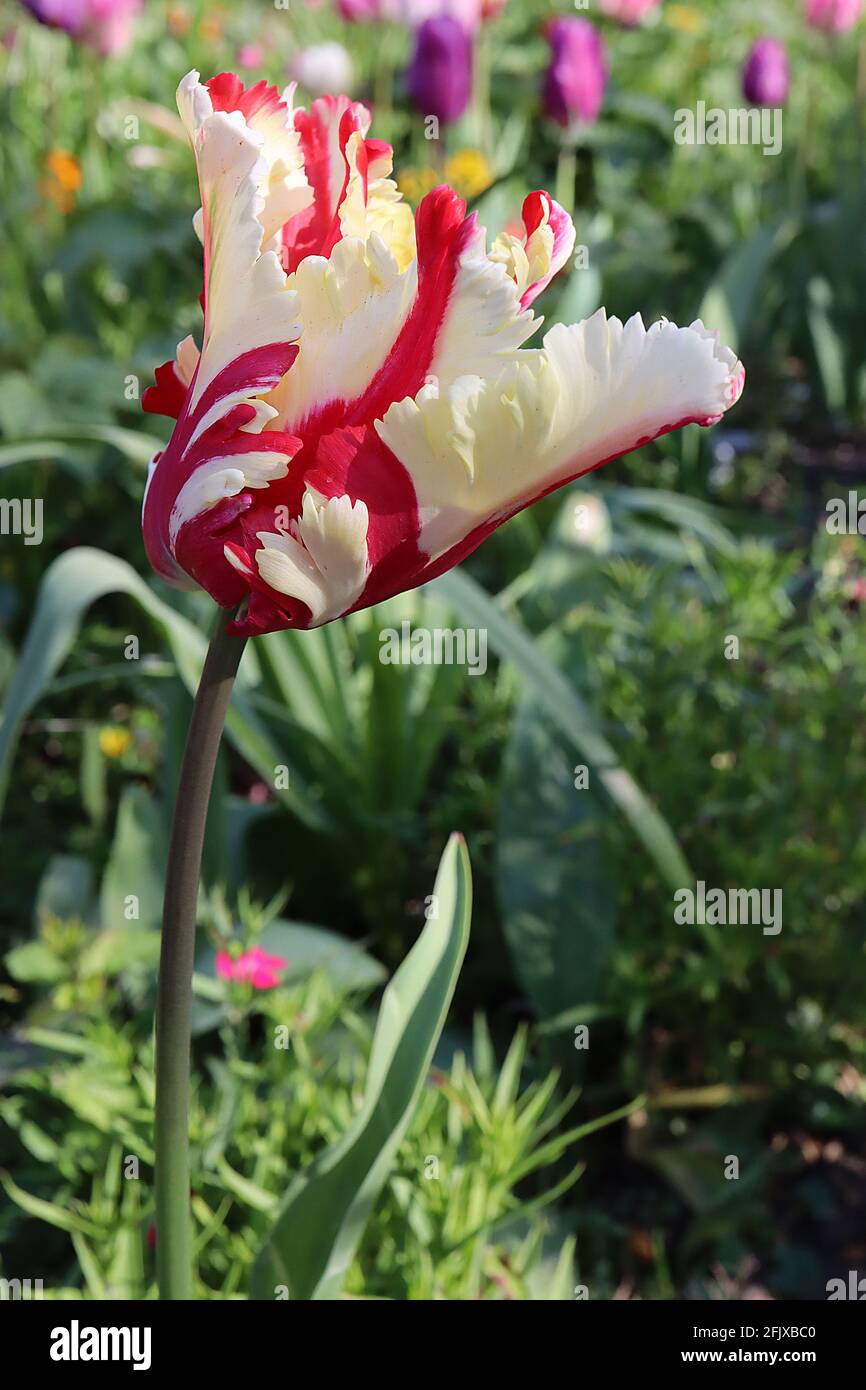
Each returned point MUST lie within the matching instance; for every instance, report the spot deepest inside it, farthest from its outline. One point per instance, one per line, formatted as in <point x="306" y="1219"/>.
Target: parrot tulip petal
<point x="363" y="411"/>
<point x="484" y="449"/>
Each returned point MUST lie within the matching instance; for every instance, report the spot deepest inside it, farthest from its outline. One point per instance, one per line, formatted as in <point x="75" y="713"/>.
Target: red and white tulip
<point x="363" y="412"/>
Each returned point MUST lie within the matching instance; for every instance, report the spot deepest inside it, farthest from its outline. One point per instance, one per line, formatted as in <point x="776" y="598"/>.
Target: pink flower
<point x="253" y="967"/>
<point x="628" y="12"/>
<point x="105" y="25"/>
<point x="251" y="55"/>
<point x="357" y="11"/>
<point x="834" y="16"/>
<point x="363" y="413"/>
<point x="112" y="25"/>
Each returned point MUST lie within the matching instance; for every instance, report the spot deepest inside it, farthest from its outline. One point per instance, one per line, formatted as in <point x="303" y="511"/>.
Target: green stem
<point x="566" y="174"/>
<point x="174" y="1001"/>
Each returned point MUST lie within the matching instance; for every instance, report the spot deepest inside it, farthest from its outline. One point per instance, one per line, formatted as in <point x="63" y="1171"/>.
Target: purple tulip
<point x="104" y="25"/>
<point x="575" y="80"/>
<point x="440" y="78"/>
<point x="69" y="15"/>
<point x="766" y="75"/>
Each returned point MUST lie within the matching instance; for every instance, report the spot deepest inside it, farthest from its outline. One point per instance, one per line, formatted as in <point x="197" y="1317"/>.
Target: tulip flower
<point x="104" y="25"/>
<point x="362" y="413"/>
<point x="766" y="75"/>
<point x="357" y="11"/>
<point x="440" y="78"/>
<point x="628" y="12"/>
<point x="575" y="80"/>
<point x="834" y="16"/>
<point x="69" y="15"/>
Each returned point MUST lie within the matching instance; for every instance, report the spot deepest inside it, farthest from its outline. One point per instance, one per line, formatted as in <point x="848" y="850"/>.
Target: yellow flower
<point x="62" y="179"/>
<point x="414" y="184"/>
<point x="685" y="18"/>
<point x="468" y="173"/>
<point x="114" y="742"/>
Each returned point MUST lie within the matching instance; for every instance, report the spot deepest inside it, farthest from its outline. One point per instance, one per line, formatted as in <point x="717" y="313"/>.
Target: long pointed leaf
<point x="568" y="712"/>
<point x="71" y="584"/>
<point x="325" y="1210"/>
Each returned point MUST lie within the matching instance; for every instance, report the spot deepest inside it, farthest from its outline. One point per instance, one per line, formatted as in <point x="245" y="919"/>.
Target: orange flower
<point x="62" y="179"/>
<point x="212" y="27"/>
<point x="179" y="21"/>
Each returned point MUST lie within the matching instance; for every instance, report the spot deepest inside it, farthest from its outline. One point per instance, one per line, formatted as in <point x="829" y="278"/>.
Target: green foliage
<point x="607" y="614"/>
<point x="283" y="1094"/>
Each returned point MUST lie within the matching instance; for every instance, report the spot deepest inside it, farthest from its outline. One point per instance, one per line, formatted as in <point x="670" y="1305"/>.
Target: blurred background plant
<point x="607" y="615"/>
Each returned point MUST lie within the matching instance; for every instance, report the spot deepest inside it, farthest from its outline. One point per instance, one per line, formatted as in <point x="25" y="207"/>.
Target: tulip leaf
<point x="554" y="884"/>
<point x="325" y="1209"/>
<point x="64" y="440"/>
<point x="136" y="863"/>
<point x="729" y="302"/>
<point x="568" y="713"/>
<point x="71" y="584"/>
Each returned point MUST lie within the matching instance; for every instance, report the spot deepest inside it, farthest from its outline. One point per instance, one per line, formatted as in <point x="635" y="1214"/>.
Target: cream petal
<point x="481" y="449"/>
<point x="351" y="307"/>
<point x="247" y="301"/>
<point x="322" y="560"/>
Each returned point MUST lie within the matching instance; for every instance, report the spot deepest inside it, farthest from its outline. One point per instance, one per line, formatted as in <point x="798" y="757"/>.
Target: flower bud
<point x="440" y="78"/>
<point x="575" y="80"/>
<point x="766" y="75"/>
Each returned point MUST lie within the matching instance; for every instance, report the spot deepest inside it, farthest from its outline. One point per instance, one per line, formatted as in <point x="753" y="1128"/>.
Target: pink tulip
<point x="251" y="55"/>
<point x="104" y="25"/>
<point x="362" y="413"/>
<point x="112" y="25"/>
<point x="357" y="11"/>
<point x="254" y="967"/>
<point x="834" y="16"/>
<point x="628" y="12"/>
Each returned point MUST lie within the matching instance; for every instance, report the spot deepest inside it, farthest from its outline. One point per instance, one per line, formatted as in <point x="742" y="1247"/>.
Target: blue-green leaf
<point x="326" y="1208"/>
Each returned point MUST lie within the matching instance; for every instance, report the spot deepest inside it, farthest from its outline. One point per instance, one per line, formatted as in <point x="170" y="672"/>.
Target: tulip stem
<point x="566" y="176"/>
<point x="174" y="999"/>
